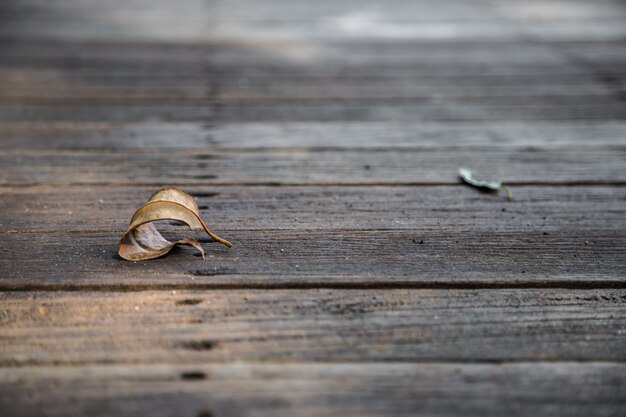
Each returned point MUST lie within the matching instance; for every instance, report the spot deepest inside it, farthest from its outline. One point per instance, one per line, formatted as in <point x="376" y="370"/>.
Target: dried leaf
<point x="467" y="175"/>
<point x="142" y="240"/>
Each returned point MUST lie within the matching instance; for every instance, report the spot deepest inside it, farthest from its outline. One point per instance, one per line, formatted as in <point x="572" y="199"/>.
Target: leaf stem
<point x="506" y="188"/>
<point x="220" y="240"/>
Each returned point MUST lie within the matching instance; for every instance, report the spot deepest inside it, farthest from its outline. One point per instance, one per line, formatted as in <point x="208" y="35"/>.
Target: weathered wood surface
<point x="317" y="389"/>
<point x="578" y="108"/>
<point x="371" y="236"/>
<point x="30" y="84"/>
<point x="374" y="235"/>
<point x="44" y="328"/>
<point x="322" y="138"/>
<point x="266" y="258"/>
<point x="323" y="167"/>
<point x="201" y="136"/>
<point x="197" y="21"/>
<point x="426" y="209"/>
<point x="458" y="63"/>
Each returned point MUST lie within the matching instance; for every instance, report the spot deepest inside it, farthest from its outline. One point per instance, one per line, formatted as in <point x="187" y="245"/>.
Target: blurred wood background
<point x="323" y="139"/>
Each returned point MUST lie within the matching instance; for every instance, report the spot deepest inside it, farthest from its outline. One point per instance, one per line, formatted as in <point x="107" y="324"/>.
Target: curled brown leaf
<point x="142" y="240"/>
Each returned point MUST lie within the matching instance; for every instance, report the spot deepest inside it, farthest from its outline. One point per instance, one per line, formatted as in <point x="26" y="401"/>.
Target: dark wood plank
<point x="426" y="91"/>
<point x="312" y="325"/>
<point x="498" y="109"/>
<point x="293" y="167"/>
<point x="444" y="209"/>
<point x="369" y="235"/>
<point x="171" y="110"/>
<point x="455" y="61"/>
<point x="51" y="85"/>
<point x="318" y="389"/>
<point x="578" y="108"/>
<point x="325" y="258"/>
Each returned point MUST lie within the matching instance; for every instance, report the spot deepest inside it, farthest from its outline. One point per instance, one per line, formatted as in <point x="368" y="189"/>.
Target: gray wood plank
<point x="423" y="110"/>
<point x="202" y="22"/>
<point x="170" y="110"/>
<point x="444" y="63"/>
<point x="34" y="85"/>
<point x="311" y="135"/>
<point x="366" y="235"/>
<point x="301" y="166"/>
<point x="439" y="257"/>
<point x="40" y="328"/>
<point x="244" y="89"/>
<point x="317" y="389"/>
<point x="352" y="60"/>
<point x="460" y="208"/>
<point x="497" y="109"/>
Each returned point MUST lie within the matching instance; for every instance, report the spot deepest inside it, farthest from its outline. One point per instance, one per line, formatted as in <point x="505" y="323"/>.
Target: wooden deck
<point x="323" y="139"/>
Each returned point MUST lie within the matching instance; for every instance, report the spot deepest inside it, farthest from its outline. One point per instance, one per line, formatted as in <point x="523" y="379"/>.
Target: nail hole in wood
<point x="199" y="344"/>
<point x="204" y="194"/>
<point x="193" y="376"/>
<point x="188" y="302"/>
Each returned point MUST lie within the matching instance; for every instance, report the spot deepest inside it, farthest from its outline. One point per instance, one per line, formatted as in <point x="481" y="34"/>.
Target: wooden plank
<point x="310" y="135"/>
<point x="326" y="258"/>
<point x="355" y="59"/>
<point x="370" y="235"/>
<point x="498" y="109"/>
<point x="171" y="110"/>
<point x="566" y="10"/>
<point x="423" y="70"/>
<point x="24" y="86"/>
<point x="199" y="22"/>
<point x="225" y="64"/>
<point x="66" y="135"/>
<point x="243" y="89"/>
<point x="444" y="209"/>
<point x="558" y="10"/>
<point x="28" y="85"/>
<point x="477" y="60"/>
<point x="72" y="85"/>
<point x="319" y="389"/>
<point x="40" y="328"/>
<point x="301" y="166"/>
<point x="495" y="109"/>
<point x="596" y="54"/>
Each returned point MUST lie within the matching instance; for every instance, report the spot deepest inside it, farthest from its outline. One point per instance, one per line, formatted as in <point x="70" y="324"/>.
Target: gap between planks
<point x="321" y="284"/>
<point x="43" y="185"/>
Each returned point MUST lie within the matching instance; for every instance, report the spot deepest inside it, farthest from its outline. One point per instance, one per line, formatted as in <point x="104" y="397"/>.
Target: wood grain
<point x="323" y="138"/>
<point x="424" y="209"/>
<point x="35" y="85"/>
<point x="202" y="22"/>
<point x="466" y="62"/>
<point x="316" y="389"/>
<point x="323" y="167"/>
<point x="308" y="258"/>
<point x="41" y="328"/>
<point x="327" y="110"/>
<point x="311" y="135"/>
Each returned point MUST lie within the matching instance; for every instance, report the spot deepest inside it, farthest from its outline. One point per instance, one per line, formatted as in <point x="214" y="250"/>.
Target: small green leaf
<point x="467" y="175"/>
